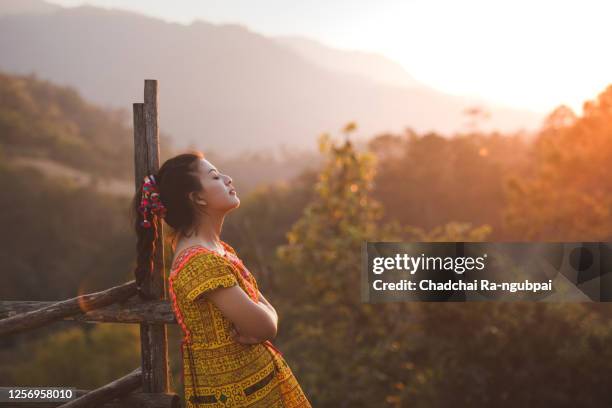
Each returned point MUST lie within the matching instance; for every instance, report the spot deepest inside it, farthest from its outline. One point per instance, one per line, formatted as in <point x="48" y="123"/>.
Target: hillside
<point x="39" y="120"/>
<point x="53" y="129"/>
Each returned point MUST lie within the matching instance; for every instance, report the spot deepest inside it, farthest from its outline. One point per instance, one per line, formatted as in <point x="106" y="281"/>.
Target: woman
<point x="228" y="359"/>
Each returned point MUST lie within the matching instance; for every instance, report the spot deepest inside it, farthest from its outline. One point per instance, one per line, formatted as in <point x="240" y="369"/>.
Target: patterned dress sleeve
<point x="203" y="273"/>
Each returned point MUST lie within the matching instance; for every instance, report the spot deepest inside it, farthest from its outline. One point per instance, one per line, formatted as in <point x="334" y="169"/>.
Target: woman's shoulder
<point x="198" y="270"/>
<point x="197" y="254"/>
<point x="189" y="249"/>
<point x="228" y="247"/>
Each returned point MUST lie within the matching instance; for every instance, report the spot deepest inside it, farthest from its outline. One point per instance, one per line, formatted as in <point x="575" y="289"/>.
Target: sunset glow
<point x="527" y="54"/>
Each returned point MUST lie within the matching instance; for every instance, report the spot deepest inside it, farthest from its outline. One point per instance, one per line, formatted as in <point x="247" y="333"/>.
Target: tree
<point x="569" y="196"/>
<point x="326" y="323"/>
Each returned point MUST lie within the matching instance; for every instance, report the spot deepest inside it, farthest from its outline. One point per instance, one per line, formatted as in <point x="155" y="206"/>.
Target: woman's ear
<point x="196" y="199"/>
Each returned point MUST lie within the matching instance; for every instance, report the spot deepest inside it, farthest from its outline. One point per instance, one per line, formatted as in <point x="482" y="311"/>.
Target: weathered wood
<point x="153" y="337"/>
<point x="140" y="145"/>
<point x="116" y="389"/>
<point x="133" y="310"/>
<point x="156" y="286"/>
<point x="132" y="400"/>
<point x="71" y="307"/>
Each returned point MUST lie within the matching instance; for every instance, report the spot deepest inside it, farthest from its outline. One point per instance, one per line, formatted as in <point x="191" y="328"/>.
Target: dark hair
<point x="175" y="179"/>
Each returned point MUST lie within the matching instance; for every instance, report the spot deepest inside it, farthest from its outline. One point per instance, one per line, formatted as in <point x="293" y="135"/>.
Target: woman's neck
<point x="207" y="233"/>
<point x="209" y="226"/>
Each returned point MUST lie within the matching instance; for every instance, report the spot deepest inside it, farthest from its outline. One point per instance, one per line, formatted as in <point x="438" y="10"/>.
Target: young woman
<point x="228" y="358"/>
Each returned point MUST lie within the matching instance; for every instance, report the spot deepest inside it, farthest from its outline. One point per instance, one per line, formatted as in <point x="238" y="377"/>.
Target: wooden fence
<point x="148" y="385"/>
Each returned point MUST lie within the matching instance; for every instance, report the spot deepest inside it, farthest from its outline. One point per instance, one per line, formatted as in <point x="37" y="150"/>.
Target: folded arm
<point x="255" y="322"/>
<point x="270" y="307"/>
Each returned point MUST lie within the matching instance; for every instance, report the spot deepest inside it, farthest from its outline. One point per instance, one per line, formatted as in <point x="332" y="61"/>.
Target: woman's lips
<point x="232" y="191"/>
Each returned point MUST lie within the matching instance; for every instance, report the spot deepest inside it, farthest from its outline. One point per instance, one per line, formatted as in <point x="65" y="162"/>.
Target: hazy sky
<point x="534" y="54"/>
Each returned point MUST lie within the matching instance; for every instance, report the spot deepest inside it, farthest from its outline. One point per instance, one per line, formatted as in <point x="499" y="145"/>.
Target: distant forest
<point x="299" y="231"/>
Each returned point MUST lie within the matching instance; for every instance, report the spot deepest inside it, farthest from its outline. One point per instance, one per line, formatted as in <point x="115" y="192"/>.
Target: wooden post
<point x="153" y="337"/>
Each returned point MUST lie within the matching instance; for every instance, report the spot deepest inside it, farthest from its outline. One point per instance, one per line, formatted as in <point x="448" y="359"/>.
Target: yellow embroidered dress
<point x="218" y="371"/>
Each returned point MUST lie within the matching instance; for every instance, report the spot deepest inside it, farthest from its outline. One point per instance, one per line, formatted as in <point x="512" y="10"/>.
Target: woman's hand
<point x="242" y="338"/>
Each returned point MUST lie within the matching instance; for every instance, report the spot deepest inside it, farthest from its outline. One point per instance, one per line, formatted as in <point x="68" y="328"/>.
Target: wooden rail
<point x="70" y="307"/>
<point x="132" y="400"/>
<point x="119" y="393"/>
<point x="131" y="311"/>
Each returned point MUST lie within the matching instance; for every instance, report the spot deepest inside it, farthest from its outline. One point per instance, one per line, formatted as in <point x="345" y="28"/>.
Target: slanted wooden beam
<point x="133" y="310"/>
<point x="71" y="307"/>
<point x="132" y="400"/>
<point x="108" y="392"/>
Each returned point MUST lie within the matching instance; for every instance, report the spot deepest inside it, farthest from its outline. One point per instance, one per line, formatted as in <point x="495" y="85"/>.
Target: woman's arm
<point x="270" y="307"/>
<point x="255" y="321"/>
<point x="239" y="337"/>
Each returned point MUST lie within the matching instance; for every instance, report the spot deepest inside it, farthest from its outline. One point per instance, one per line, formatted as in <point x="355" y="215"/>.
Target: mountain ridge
<point x="222" y="87"/>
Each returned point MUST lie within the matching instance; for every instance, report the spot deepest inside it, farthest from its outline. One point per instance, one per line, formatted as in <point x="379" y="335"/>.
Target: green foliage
<point x="568" y="195"/>
<point x="342" y="212"/>
<point x="426" y="181"/>
<point x="451" y="232"/>
<point x="349" y="354"/>
<point x="320" y="268"/>
<point x="38" y="119"/>
<point x="79" y="358"/>
<point x="261" y="223"/>
<point x="506" y="355"/>
<point x="344" y="351"/>
<point x="60" y="241"/>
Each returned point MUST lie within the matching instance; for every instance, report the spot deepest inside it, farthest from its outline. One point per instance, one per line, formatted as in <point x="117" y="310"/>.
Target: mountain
<point x="9" y="7"/>
<point x="222" y="87"/>
<point x="372" y="66"/>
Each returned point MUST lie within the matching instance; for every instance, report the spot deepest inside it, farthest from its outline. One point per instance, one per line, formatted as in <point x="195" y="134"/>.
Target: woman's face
<point x="218" y="191"/>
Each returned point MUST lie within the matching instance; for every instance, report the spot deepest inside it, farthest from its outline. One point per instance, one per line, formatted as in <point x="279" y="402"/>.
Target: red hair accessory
<point x="150" y="201"/>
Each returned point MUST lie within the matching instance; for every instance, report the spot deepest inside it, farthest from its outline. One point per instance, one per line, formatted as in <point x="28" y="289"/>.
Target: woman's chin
<point x="235" y="203"/>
